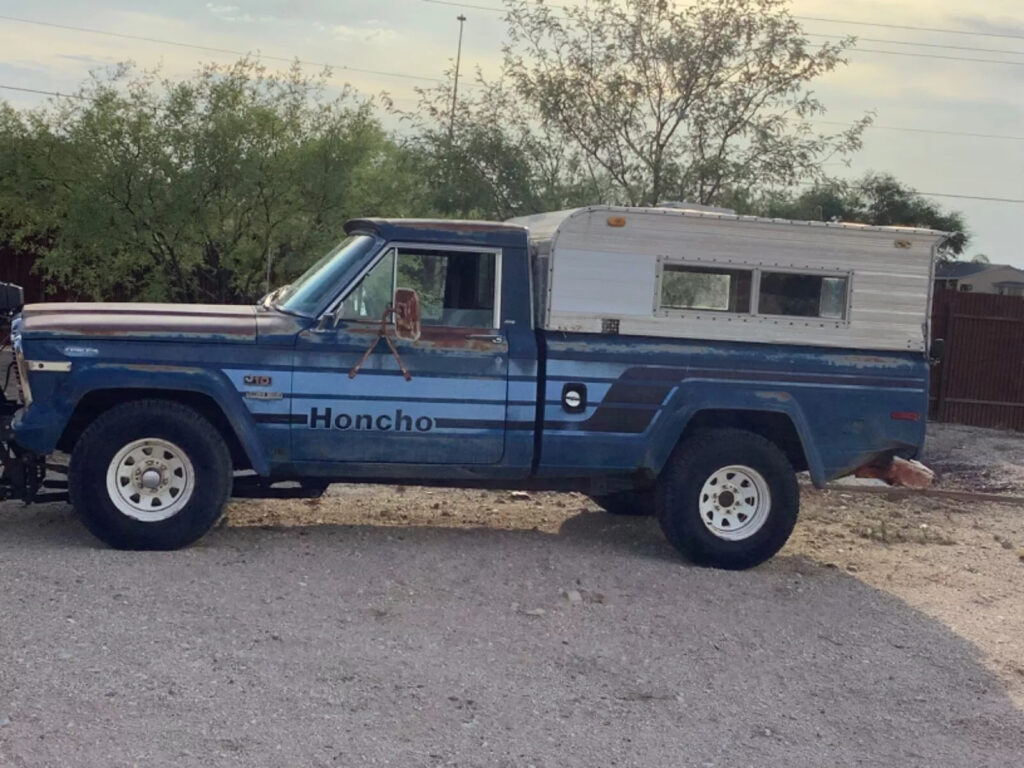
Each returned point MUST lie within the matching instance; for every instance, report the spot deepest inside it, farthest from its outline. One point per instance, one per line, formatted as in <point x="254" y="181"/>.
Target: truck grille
<point x="18" y="388"/>
<point x="24" y="392"/>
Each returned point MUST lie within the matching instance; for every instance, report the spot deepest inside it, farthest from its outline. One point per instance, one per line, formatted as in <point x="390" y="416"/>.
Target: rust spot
<point x="868" y="360"/>
<point x="781" y="397"/>
<point x="865" y="361"/>
<point x="437" y="337"/>
<point x="142" y="320"/>
<point x="149" y="368"/>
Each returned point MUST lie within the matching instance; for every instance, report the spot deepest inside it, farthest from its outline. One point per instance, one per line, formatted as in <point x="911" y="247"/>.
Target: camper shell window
<point x="795" y="294"/>
<point x="706" y="288"/>
<point x="685" y="287"/>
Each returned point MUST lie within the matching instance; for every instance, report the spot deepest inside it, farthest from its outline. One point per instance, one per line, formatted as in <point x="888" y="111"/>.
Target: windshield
<point x="323" y="279"/>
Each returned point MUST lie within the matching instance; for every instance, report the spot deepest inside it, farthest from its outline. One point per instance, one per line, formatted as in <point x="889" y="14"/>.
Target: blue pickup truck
<point x="677" y="362"/>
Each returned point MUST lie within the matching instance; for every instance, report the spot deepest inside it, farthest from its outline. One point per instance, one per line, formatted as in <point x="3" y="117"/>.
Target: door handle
<point x="494" y="338"/>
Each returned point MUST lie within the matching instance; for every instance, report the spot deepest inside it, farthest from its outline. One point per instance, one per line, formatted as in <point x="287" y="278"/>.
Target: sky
<point x="966" y="74"/>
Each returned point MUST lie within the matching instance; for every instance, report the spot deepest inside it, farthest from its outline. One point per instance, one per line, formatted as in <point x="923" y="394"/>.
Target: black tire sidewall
<point x="680" y="489"/>
<point x="123" y="425"/>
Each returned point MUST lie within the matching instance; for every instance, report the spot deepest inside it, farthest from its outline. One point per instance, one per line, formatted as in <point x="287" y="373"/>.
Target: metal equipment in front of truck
<point x="22" y="472"/>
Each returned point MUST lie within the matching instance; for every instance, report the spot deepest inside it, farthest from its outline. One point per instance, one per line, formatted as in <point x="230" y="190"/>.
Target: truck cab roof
<point x="491" y="234"/>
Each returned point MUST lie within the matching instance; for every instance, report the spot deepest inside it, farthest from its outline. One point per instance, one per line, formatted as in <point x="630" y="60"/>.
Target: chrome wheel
<point x="735" y="502"/>
<point x="150" y="480"/>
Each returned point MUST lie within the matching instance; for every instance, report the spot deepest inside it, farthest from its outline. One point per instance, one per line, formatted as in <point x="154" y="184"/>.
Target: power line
<point x="941" y="195"/>
<point x="45" y="93"/>
<point x="854" y="49"/>
<point x="210" y="49"/>
<point x="928" y="130"/>
<point x="82" y="97"/>
<point x="493" y="9"/>
<point x="889" y="41"/>
<point x="816" y="122"/>
<point x="932" y="56"/>
<point x="973" y="197"/>
<point x="909" y="27"/>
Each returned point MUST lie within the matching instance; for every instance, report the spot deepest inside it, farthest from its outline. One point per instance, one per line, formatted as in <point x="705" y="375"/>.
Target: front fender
<point x="694" y="396"/>
<point x="40" y="427"/>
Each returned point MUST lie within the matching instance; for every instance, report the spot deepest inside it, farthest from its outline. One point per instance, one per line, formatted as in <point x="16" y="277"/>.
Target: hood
<point x="171" y="322"/>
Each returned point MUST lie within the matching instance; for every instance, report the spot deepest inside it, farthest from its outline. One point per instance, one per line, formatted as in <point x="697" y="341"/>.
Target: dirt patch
<point x="958" y="562"/>
<point x="983" y="460"/>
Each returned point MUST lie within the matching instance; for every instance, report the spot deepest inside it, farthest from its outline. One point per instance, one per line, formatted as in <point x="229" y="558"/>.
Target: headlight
<point x="20" y="369"/>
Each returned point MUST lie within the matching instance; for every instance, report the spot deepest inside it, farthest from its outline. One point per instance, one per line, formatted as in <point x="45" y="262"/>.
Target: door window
<point x="456" y="288"/>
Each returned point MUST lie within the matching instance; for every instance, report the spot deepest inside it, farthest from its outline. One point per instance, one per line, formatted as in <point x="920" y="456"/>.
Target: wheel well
<point x="93" y="404"/>
<point x="776" y="427"/>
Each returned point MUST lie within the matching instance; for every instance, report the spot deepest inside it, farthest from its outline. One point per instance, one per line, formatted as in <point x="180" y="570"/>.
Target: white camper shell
<point x="701" y="274"/>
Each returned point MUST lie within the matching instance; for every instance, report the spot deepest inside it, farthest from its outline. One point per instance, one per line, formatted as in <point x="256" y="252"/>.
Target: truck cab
<point x="664" y="362"/>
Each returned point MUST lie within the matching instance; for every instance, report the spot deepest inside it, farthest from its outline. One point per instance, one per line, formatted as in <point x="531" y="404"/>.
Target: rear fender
<point x="694" y="397"/>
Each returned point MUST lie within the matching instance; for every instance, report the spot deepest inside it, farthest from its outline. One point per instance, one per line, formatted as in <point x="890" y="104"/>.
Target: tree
<point x="487" y="160"/>
<point x="200" y="190"/>
<point x="636" y="102"/>
<point x="876" y="198"/>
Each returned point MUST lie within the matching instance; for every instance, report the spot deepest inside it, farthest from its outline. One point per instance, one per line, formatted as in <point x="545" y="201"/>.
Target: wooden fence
<point x="981" y="380"/>
<point x="17" y="268"/>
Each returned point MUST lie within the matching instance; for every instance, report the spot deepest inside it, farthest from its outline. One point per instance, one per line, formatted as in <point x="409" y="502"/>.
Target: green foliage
<point x="216" y="187"/>
<point x="196" y="190"/>
<point x="875" y="199"/>
<point x="490" y="162"/>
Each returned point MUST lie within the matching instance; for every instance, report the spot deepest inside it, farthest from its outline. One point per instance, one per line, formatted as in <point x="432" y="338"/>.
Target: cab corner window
<point x="455" y="288"/>
<point x="718" y="289"/>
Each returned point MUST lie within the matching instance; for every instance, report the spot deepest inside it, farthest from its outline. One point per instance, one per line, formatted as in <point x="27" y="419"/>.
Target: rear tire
<point x="728" y="499"/>
<point x="635" y="503"/>
<point x="150" y="475"/>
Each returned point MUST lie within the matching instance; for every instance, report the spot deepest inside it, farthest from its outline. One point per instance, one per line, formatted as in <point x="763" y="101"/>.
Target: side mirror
<point x="937" y="352"/>
<point x="407" y="314"/>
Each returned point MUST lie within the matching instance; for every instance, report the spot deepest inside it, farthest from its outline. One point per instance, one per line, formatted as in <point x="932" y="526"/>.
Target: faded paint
<point x="474" y="404"/>
<point x="197" y="322"/>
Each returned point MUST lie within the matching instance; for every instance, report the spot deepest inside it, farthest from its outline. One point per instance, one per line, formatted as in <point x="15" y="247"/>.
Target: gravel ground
<point x="415" y="627"/>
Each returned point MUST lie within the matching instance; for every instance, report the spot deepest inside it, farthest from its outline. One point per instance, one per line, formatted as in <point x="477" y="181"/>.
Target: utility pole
<point x="455" y="88"/>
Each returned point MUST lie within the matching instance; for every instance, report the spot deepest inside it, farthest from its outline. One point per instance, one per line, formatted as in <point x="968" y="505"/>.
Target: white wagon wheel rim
<point x="150" y="480"/>
<point x="735" y="502"/>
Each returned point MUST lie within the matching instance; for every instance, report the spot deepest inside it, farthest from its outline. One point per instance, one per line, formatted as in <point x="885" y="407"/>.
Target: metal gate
<point x="981" y="380"/>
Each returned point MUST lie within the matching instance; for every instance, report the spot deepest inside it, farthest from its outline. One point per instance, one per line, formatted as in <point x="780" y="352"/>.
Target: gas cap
<point x="574" y="397"/>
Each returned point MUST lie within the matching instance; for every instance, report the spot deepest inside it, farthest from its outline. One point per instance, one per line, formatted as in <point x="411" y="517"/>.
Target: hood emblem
<point x="81" y="351"/>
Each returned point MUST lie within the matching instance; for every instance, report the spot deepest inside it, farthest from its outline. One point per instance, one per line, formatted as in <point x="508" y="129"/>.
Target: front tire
<point x="728" y="499"/>
<point x="150" y="475"/>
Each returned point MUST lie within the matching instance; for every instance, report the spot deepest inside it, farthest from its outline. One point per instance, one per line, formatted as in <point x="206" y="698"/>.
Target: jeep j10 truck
<point x="681" y="362"/>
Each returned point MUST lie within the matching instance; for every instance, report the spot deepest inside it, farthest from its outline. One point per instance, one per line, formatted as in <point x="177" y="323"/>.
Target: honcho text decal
<point x="399" y="422"/>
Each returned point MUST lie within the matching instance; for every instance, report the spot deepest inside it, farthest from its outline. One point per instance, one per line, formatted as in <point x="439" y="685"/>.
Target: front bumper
<point x="23" y="472"/>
